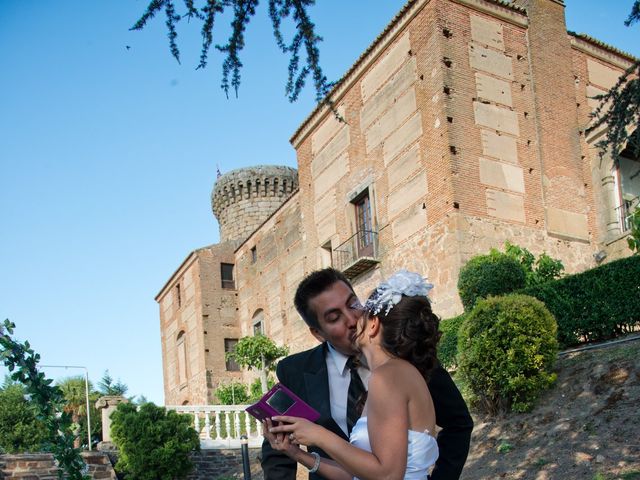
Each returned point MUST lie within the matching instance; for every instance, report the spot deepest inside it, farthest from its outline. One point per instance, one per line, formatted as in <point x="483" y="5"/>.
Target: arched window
<point x="181" y="347"/>
<point x="258" y="322"/>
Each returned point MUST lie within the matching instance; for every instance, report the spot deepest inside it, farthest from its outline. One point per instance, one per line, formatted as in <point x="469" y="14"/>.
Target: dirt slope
<point x="586" y="427"/>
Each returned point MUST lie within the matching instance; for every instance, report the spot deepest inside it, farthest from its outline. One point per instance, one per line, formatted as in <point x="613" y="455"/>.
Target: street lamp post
<point x="86" y="392"/>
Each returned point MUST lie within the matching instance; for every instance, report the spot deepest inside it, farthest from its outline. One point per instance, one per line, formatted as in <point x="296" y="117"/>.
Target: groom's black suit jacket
<point x="305" y="373"/>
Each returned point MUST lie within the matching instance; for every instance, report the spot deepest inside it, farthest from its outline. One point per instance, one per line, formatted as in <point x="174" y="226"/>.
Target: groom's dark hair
<point x="313" y="285"/>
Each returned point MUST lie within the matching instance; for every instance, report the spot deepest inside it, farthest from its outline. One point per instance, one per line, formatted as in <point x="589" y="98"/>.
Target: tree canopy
<point x="20" y="429"/>
<point x="107" y="385"/>
<point x="304" y="39"/>
<point x="260" y="353"/>
<point x="619" y="108"/>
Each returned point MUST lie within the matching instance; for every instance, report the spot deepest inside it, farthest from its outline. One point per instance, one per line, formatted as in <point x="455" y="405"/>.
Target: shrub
<point x="154" y="443"/>
<point x="536" y="271"/>
<point x="234" y="393"/>
<point x="595" y="305"/>
<point x="634" y="235"/>
<point x="20" y="429"/>
<point x="255" y="390"/>
<point x="448" y="344"/>
<point x="484" y="275"/>
<point x="507" y="348"/>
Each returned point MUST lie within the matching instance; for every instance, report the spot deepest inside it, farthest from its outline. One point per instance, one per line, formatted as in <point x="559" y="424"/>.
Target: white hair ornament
<point x="389" y="293"/>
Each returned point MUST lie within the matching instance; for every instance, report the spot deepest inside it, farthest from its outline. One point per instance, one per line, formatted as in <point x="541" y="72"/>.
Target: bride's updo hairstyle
<point x="410" y="331"/>
<point x="409" y="326"/>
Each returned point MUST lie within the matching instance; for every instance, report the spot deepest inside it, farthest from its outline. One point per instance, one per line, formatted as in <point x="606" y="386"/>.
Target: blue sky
<point x="108" y="156"/>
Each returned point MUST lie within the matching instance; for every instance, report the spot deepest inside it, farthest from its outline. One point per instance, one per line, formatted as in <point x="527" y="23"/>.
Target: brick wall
<point x="193" y="328"/>
<point x="210" y="464"/>
<point x="465" y="121"/>
<point x="40" y="466"/>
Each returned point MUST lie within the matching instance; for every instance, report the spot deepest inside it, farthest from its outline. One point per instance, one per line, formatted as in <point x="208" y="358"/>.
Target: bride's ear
<point x="373" y="327"/>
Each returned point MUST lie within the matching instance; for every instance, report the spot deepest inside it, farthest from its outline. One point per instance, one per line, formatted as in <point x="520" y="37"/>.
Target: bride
<point x="393" y="438"/>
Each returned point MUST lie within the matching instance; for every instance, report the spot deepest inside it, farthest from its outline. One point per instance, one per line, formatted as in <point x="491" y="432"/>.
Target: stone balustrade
<point x="220" y="426"/>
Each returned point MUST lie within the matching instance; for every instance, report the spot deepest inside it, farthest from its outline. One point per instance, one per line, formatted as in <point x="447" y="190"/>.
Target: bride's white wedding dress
<point x="422" y="450"/>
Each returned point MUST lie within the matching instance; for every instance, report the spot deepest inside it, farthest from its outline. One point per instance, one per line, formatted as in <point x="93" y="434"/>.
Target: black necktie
<point x="355" y="396"/>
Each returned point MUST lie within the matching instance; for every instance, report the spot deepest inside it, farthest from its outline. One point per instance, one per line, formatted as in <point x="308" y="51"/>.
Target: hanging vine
<point x="619" y="108"/>
<point x="47" y="400"/>
<point x="300" y="67"/>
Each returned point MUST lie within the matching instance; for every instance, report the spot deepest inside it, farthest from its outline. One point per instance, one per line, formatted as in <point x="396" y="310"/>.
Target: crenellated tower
<point x="243" y="199"/>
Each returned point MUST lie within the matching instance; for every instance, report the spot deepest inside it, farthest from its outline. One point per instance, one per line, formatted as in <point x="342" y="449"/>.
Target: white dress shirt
<point x="339" y="379"/>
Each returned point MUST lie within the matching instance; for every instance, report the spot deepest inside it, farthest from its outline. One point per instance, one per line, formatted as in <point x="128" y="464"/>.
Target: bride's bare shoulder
<point x="393" y="372"/>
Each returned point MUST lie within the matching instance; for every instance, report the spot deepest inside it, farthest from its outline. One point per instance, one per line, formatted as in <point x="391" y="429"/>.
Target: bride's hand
<point x="297" y="430"/>
<point x="278" y="441"/>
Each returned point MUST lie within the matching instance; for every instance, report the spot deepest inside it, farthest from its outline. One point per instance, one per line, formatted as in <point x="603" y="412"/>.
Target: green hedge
<point x="448" y="344"/>
<point x="485" y="275"/>
<point x="507" y="348"/>
<point x="595" y="305"/>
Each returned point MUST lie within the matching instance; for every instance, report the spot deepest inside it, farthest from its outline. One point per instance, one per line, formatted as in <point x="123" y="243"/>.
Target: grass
<point x="541" y="462"/>
<point x="630" y="475"/>
<point x="504" y="447"/>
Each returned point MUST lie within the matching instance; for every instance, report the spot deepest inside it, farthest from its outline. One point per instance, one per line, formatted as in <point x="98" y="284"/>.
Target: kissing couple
<point x="377" y="384"/>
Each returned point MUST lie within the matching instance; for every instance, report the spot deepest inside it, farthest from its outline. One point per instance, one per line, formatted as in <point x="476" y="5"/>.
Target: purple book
<point x="282" y="401"/>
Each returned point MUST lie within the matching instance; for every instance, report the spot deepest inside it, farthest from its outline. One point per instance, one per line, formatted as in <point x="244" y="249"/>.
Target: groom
<point x="326" y="301"/>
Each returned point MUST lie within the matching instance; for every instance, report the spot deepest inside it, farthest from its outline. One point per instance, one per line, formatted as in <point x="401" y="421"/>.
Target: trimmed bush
<point x="233" y="393"/>
<point x="595" y="305"/>
<point x="507" y="348"/>
<point x="493" y="274"/>
<point x="154" y="443"/>
<point x="448" y="344"/>
<point x="536" y="271"/>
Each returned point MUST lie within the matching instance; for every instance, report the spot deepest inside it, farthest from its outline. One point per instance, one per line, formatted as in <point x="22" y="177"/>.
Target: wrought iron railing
<point x="625" y="211"/>
<point x="220" y="426"/>
<point x="357" y="254"/>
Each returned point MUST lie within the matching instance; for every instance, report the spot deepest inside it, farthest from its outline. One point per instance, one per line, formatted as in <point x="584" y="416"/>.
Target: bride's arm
<point x="388" y="427"/>
<point x="325" y="467"/>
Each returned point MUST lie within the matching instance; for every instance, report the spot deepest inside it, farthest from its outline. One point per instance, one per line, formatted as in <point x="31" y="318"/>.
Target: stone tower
<point x="243" y="199"/>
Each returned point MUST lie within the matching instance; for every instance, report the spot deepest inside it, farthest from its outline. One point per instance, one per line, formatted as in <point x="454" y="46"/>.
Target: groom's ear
<point x="317" y="334"/>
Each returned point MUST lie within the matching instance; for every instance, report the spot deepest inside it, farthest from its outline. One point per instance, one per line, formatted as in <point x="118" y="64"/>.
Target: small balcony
<point x="357" y="255"/>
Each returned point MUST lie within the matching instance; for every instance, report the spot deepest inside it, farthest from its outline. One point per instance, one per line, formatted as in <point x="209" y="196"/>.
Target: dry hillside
<point x="586" y="427"/>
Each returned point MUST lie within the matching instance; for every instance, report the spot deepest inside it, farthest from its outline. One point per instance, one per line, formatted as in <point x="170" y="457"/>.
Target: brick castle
<point x="465" y="126"/>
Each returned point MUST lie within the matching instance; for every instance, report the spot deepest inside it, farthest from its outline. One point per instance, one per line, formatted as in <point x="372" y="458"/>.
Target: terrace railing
<point x="220" y="426"/>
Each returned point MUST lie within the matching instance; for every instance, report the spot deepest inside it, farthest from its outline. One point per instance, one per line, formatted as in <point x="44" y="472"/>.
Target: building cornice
<point x="498" y="8"/>
<point x="187" y="262"/>
<point x="601" y="50"/>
